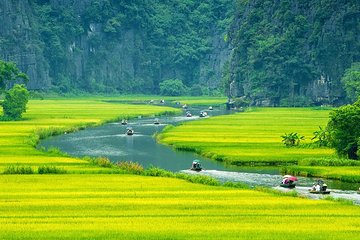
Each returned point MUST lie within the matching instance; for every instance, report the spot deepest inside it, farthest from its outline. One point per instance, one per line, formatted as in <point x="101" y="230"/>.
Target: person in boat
<point x="285" y="181"/>
<point x="188" y="114"/>
<point x="129" y="131"/>
<point x="162" y="101"/>
<point x="196" y="165"/>
<point x="210" y="108"/>
<point x="156" y="122"/>
<point x="324" y="187"/>
<point x="317" y="187"/>
<point x="124" y="122"/>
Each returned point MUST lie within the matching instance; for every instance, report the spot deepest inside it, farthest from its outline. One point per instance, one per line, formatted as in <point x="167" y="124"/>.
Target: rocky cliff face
<point x="289" y="52"/>
<point x="66" y="45"/>
<point x="19" y="42"/>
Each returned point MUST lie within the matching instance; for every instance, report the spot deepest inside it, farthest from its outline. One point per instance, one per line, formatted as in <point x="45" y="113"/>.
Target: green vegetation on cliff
<point x="294" y="52"/>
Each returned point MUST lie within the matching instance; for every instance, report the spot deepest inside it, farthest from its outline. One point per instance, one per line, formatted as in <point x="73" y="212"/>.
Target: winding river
<point x="111" y="141"/>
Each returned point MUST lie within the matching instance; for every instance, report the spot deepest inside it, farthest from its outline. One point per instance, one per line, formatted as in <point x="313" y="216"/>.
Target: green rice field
<point x="17" y="137"/>
<point x="97" y="206"/>
<point x="92" y="202"/>
<point x="251" y="137"/>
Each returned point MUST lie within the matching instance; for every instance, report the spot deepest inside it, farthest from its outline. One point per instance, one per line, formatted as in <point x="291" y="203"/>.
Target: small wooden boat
<point x="188" y="114"/>
<point x="203" y="114"/>
<point x="124" y="122"/>
<point x="211" y="108"/>
<point x="196" y="166"/>
<point x="156" y="122"/>
<point x="129" y="132"/>
<point x="318" y="192"/>
<point x="288" y="185"/>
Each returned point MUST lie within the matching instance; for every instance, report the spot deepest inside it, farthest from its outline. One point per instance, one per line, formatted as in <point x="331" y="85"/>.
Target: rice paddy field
<point x="91" y="202"/>
<point x="16" y="140"/>
<point x="252" y="137"/>
<point x="97" y="206"/>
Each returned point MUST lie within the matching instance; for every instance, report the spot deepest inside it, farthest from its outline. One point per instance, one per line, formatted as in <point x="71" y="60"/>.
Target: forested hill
<point x="275" y="52"/>
<point x="293" y="52"/>
<point x="116" y="46"/>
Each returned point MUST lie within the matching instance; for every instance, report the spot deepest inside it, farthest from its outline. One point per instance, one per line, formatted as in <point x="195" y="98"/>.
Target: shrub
<point x="18" y="170"/>
<point x="158" y="172"/>
<point x="130" y="167"/>
<point x="292" y="139"/>
<point x="50" y="170"/>
<point x="344" y="130"/>
<point x="101" y="161"/>
<point x="15" y="101"/>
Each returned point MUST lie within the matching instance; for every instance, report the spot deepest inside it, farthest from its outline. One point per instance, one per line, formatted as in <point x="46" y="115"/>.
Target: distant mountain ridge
<point x="287" y="53"/>
<point x="293" y="52"/>
<point x="115" y="46"/>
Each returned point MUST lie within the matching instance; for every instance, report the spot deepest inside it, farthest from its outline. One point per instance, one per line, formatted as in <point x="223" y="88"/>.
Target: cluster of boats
<point x="319" y="186"/>
<point x="130" y="131"/>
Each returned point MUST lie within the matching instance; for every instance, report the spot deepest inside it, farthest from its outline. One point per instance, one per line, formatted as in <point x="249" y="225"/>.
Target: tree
<point x="351" y="81"/>
<point x="9" y="72"/>
<point x="292" y="139"/>
<point x="321" y="137"/>
<point x="172" y="87"/>
<point x="344" y="130"/>
<point x="15" y="102"/>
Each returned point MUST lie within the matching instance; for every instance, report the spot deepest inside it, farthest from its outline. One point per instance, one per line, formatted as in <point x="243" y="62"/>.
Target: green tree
<point x="344" y="130"/>
<point x="172" y="87"/>
<point x="351" y="81"/>
<point x="321" y="137"/>
<point x="292" y="139"/>
<point x="15" y="102"/>
<point x="9" y="72"/>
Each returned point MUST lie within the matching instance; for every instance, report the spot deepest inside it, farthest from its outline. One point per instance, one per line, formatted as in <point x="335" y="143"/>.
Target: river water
<point x="111" y="141"/>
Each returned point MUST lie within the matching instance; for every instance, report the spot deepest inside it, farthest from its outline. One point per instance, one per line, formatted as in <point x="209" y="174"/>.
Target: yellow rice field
<point x="252" y="136"/>
<point x="60" y="113"/>
<point x="84" y="204"/>
<point x="135" y="207"/>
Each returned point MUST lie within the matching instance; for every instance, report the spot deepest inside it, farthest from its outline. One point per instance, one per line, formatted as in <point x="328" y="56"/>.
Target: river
<point x="111" y="141"/>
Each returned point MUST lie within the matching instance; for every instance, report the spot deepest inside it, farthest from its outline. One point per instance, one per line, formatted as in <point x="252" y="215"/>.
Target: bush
<point x="292" y="139"/>
<point x="18" y="170"/>
<point x="50" y="170"/>
<point x="344" y="130"/>
<point x="101" y="161"/>
<point x="158" y="172"/>
<point x="130" y="167"/>
<point x="15" y="101"/>
<point x="172" y="87"/>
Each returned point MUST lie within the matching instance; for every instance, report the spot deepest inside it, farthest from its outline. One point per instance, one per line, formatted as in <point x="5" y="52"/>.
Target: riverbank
<point x="254" y="138"/>
<point x="48" y="117"/>
<point x="85" y="204"/>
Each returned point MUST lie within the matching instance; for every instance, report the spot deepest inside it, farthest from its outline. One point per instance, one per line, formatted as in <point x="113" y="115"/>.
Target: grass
<point x="252" y="137"/>
<point x="85" y="204"/>
<point x="138" y="207"/>
<point x="45" y="118"/>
